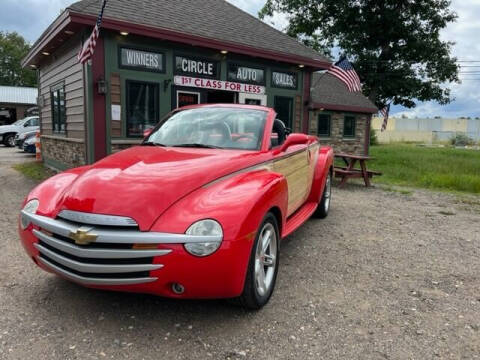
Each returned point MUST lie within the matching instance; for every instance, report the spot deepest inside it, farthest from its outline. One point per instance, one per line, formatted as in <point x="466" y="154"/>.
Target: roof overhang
<point x="70" y="21"/>
<point x="348" y="108"/>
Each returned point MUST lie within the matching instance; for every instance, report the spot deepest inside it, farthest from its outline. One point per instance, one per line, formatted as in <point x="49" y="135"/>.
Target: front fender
<point x="239" y="204"/>
<point x="50" y="191"/>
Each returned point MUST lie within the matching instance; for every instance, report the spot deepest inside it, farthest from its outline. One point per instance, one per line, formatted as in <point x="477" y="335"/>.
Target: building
<point x="338" y="117"/>
<point x="426" y="130"/>
<point x="15" y="103"/>
<point x="154" y="56"/>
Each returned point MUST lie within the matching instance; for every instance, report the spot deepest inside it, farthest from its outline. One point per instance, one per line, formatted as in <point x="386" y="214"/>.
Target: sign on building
<point x="218" y="85"/>
<point x="196" y="67"/>
<point x="245" y="74"/>
<point x="142" y="60"/>
<point x="285" y="80"/>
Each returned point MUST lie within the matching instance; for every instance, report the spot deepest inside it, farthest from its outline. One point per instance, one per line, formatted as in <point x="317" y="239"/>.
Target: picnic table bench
<point x="349" y="170"/>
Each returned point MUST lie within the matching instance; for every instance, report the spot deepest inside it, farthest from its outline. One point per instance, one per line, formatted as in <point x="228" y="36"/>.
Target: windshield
<point x="225" y="128"/>
<point x="19" y="122"/>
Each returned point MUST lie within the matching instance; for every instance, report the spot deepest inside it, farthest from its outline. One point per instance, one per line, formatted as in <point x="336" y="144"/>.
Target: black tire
<point x="252" y="298"/>
<point x="9" y="140"/>
<point x="324" y="204"/>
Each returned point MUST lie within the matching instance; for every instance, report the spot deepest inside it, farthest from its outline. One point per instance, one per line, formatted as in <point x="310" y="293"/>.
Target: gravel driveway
<point x="385" y="276"/>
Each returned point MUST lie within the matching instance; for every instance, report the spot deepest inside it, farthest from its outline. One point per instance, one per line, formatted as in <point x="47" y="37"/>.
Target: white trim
<point x="243" y="97"/>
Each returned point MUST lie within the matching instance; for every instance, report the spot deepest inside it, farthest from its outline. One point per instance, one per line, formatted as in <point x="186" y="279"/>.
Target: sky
<point x="31" y="17"/>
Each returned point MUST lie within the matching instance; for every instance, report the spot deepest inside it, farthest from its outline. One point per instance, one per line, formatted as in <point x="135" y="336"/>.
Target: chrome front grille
<point x="94" y="253"/>
<point x="95" y="263"/>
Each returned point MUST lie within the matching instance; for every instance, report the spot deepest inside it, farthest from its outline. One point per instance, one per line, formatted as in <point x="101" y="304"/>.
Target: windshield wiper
<point x="196" y="145"/>
<point x="151" y="143"/>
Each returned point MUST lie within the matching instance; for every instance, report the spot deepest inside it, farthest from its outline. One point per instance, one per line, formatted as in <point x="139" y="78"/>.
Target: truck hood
<point x="8" y="128"/>
<point x="142" y="182"/>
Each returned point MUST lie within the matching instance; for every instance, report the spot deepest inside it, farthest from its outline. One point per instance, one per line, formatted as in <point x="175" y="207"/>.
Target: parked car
<point x="8" y="132"/>
<point x="29" y="145"/>
<point x="21" y="137"/>
<point x="198" y="210"/>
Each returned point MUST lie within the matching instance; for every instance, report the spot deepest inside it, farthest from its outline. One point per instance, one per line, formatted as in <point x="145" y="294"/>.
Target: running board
<point x="299" y="217"/>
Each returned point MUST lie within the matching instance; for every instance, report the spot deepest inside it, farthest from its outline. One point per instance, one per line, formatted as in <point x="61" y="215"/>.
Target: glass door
<point x="142" y="107"/>
<point x="284" y="108"/>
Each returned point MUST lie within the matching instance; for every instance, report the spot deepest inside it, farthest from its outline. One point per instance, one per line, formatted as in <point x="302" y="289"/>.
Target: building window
<point x="324" y="125"/>
<point x="142" y="107"/>
<point x="59" y="114"/>
<point x="284" y="108"/>
<point x="349" y="126"/>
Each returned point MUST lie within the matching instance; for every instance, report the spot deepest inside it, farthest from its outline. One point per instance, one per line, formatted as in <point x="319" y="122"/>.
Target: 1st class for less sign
<point x="218" y="85"/>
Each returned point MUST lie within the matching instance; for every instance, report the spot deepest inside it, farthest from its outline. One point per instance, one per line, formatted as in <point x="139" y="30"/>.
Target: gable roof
<point x="209" y="19"/>
<point x="18" y="95"/>
<point x="330" y="93"/>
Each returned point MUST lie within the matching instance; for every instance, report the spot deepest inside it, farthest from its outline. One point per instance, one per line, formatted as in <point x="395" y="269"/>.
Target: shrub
<point x="461" y="140"/>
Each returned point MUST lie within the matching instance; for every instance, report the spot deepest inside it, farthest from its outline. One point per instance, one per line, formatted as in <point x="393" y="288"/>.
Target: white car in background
<point x="8" y="132"/>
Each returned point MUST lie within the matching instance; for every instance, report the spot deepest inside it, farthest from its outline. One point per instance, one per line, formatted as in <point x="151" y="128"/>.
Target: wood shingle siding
<point x="63" y="67"/>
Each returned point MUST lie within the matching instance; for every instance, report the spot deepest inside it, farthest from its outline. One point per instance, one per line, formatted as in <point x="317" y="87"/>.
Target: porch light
<point x="33" y="66"/>
<point x="69" y="32"/>
<point x="46" y="53"/>
<point x="224" y="52"/>
<point x="301" y="66"/>
<point x="123" y="33"/>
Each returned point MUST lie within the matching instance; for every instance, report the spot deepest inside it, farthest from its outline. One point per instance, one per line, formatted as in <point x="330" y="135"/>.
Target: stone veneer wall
<point x="68" y="153"/>
<point x="119" y="145"/>
<point x="336" y="140"/>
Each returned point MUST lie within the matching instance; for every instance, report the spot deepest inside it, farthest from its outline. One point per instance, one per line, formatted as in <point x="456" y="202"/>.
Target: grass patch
<point x="432" y="168"/>
<point x="34" y="170"/>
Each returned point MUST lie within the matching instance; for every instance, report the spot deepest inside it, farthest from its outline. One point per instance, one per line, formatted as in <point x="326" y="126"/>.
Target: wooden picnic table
<point x="349" y="170"/>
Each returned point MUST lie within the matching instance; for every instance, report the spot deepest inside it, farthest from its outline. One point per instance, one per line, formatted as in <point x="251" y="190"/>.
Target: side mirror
<point x="27" y="124"/>
<point x="293" y="139"/>
<point x="147" y="132"/>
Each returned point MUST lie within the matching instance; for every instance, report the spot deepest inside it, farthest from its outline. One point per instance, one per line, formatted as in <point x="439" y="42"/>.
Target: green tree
<point x="394" y="45"/>
<point x="13" y="48"/>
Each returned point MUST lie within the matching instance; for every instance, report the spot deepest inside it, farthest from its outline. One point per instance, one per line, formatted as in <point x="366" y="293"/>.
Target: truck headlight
<point x="29" y="208"/>
<point x="204" y="228"/>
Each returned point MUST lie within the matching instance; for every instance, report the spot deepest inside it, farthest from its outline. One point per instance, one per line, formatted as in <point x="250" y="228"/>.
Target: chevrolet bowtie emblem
<point x="82" y="236"/>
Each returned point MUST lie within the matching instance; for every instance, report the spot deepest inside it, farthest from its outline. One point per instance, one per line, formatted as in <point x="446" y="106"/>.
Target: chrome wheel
<point x="265" y="259"/>
<point x="328" y="192"/>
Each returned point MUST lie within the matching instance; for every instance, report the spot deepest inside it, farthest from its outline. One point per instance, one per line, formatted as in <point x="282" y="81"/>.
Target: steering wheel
<point x="224" y="133"/>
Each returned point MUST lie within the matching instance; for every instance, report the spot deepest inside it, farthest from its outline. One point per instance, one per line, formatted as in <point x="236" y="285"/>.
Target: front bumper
<point x="29" y="148"/>
<point x="126" y="259"/>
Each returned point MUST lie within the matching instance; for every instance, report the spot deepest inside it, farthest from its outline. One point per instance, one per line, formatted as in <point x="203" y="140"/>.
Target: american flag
<point x="86" y="52"/>
<point x="343" y="70"/>
<point x="385" y="112"/>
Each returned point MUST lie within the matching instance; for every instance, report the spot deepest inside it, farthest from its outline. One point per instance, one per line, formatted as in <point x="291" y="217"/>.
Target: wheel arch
<point x="324" y="164"/>
<point x="275" y="210"/>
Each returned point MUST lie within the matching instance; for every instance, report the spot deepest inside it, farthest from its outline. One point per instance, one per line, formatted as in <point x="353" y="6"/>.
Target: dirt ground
<point x="387" y="275"/>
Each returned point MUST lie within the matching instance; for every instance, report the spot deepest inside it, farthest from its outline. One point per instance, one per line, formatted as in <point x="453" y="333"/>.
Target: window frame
<point x="57" y="123"/>
<point x="127" y="98"/>
<point x="329" y="135"/>
<point x="354" y="126"/>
